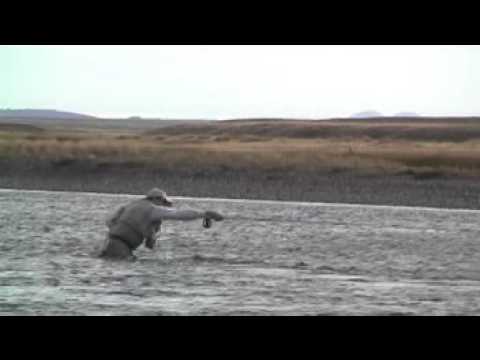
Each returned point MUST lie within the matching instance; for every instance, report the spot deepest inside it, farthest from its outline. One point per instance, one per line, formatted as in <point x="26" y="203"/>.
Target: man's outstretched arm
<point x="161" y="213"/>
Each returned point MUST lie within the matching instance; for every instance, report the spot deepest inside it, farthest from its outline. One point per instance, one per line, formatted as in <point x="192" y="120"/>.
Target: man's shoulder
<point x="139" y="202"/>
<point x="137" y="206"/>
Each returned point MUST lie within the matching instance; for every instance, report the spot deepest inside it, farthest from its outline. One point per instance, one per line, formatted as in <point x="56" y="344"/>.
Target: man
<point x="140" y="220"/>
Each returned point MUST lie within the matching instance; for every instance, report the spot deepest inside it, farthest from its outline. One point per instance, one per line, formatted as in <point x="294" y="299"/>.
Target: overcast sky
<point x="241" y="81"/>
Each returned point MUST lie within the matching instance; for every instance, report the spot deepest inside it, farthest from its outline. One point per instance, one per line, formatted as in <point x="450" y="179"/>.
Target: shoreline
<point x="345" y="187"/>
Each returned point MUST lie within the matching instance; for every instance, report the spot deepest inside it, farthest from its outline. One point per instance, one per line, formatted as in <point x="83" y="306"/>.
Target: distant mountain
<point x="406" y="114"/>
<point x="41" y="114"/>
<point x="367" y="114"/>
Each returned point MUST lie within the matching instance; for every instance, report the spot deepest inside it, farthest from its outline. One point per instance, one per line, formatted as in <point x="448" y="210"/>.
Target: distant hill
<point x="367" y="114"/>
<point x="407" y="114"/>
<point x="41" y="114"/>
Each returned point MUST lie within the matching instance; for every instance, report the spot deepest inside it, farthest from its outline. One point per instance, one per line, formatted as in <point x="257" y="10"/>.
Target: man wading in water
<point x="140" y="220"/>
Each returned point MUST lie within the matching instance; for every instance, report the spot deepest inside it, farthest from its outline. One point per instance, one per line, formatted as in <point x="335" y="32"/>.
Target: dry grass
<point x="410" y="148"/>
<point x="425" y="130"/>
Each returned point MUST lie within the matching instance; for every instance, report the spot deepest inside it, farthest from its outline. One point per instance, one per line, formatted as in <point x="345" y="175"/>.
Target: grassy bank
<point x="365" y="147"/>
<point x="353" y="162"/>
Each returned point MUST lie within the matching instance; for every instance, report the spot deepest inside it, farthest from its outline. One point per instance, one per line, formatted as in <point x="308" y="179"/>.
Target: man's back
<point x="133" y="222"/>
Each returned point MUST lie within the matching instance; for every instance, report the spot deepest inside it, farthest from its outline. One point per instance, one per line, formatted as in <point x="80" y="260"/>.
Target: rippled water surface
<point x="267" y="258"/>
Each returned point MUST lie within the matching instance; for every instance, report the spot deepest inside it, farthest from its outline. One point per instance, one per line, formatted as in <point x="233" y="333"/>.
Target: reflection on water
<point x="267" y="258"/>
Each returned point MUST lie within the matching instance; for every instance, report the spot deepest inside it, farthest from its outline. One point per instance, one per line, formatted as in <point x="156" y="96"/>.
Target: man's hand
<point x="213" y="215"/>
<point x="150" y="243"/>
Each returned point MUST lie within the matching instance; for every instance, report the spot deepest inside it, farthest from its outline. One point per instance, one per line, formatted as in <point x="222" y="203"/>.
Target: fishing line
<point x="296" y="221"/>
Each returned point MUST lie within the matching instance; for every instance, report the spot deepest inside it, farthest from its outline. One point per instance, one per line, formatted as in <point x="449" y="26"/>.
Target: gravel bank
<point x="341" y="187"/>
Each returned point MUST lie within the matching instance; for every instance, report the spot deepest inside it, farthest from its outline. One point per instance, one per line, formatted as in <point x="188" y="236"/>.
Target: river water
<point x="266" y="258"/>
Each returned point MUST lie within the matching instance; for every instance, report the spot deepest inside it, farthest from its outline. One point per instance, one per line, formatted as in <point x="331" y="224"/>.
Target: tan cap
<point x="157" y="193"/>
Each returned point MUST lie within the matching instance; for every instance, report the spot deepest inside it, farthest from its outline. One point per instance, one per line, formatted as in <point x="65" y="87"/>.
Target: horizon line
<point x="356" y="115"/>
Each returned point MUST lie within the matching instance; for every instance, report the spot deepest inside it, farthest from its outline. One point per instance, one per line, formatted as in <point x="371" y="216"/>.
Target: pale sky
<point x="231" y="81"/>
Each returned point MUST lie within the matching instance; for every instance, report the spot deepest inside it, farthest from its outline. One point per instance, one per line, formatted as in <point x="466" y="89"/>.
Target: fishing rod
<point x="207" y="222"/>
